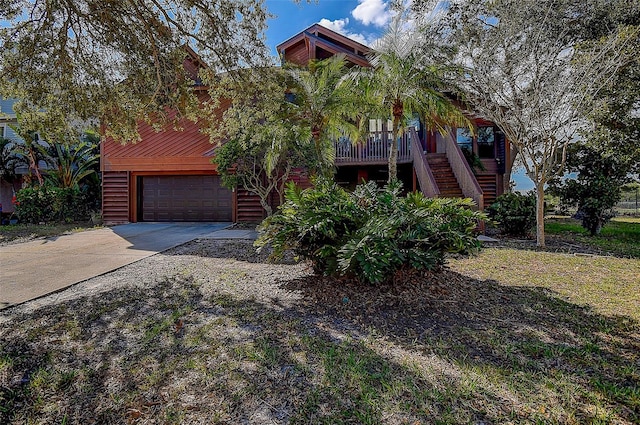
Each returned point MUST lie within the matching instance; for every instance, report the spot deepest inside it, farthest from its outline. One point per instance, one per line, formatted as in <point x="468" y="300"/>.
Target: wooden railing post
<point x="425" y="177"/>
<point x="461" y="169"/>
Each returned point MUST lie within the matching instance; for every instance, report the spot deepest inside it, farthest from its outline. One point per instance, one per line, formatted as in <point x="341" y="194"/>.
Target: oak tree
<point x="118" y="62"/>
<point x="528" y="67"/>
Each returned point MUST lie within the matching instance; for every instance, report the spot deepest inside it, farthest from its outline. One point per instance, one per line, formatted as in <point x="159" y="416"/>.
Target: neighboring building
<point x="168" y="175"/>
<point x="9" y="188"/>
<point x="22" y="173"/>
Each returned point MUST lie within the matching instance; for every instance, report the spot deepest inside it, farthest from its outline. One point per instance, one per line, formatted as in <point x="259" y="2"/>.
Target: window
<point x="2" y="131"/>
<point x="464" y="139"/>
<point x="486" y="142"/>
<point x="375" y="125"/>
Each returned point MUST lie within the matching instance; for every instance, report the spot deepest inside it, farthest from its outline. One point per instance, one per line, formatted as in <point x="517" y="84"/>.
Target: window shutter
<point x="501" y="150"/>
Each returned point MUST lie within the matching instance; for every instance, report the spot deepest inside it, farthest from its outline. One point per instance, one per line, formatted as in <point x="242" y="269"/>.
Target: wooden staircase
<point x="489" y="186"/>
<point x="443" y="174"/>
<point x="115" y="197"/>
<point x="249" y="208"/>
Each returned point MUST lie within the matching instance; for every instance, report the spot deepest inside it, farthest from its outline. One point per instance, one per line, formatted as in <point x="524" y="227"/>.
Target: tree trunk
<point x="33" y="163"/>
<point x="540" y="214"/>
<point x="398" y="111"/>
<point x="315" y="134"/>
<point x="265" y="204"/>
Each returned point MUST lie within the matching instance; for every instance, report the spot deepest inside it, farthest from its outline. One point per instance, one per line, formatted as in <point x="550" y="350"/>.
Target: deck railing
<point x="375" y="150"/>
<point x="425" y="178"/>
<point x="462" y="171"/>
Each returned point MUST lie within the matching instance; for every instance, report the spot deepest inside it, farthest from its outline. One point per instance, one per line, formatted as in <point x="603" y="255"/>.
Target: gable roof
<point x="318" y="36"/>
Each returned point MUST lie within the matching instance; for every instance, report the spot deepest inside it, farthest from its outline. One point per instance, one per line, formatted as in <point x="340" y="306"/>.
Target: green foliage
<point x="538" y="79"/>
<point x="314" y="222"/>
<point x="74" y="163"/>
<point x="370" y="233"/>
<point x="9" y="160"/>
<point x="613" y="108"/>
<point x="405" y="80"/>
<point x="52" y="204"/>
<point x="34" y="204"/>
<point x="473" y="160"/>
<point x="120" y="62"/>
<point x="326" y="106"/>
<point x="514" y="212"/>
<point x="262" y="140"/>
<point x="598" y="186"/>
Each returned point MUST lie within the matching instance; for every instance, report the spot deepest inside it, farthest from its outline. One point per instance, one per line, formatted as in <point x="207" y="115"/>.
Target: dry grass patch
<point x="25" y="232"/>
<point x="609" y="285"/>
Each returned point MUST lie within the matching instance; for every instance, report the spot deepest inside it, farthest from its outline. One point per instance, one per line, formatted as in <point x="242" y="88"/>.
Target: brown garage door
<point x="184" y="198"/>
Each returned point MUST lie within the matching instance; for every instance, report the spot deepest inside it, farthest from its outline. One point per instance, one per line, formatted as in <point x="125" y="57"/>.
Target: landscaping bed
<point x="209" y="332"/>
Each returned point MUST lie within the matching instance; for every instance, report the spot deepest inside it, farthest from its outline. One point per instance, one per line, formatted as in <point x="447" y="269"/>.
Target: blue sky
<point x="362" y="20"/>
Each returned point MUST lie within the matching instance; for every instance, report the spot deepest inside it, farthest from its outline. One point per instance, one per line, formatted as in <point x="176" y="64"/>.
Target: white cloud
<point x="340" y="26"/>
<point x="374" y="12"/>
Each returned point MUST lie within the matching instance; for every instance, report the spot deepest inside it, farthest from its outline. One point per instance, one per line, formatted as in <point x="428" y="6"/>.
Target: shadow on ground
<point x="433" y="348"/>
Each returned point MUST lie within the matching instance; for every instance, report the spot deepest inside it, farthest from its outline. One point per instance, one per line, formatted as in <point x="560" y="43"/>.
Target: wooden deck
<point x="374" y="151"/>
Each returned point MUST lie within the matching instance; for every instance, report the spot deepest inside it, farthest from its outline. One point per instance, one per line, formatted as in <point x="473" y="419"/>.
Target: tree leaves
<point x="117" y="62"/>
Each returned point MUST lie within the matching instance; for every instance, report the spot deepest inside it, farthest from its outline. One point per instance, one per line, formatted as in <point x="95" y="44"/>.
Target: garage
<point x="183" y="198"/>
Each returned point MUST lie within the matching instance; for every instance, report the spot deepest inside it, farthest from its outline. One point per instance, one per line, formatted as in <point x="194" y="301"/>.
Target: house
<point x="14" y="173"/>
<point x="168" y="175"/>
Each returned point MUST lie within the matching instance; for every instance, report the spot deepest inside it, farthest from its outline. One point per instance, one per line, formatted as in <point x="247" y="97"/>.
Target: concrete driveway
<point x="32" y="269"/>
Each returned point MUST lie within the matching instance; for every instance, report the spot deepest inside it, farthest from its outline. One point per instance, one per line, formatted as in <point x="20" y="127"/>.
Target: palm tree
<point x="73" y="162"/>
<point x="326" y="106"/>
<point x="31" y="152"/>
<point x="9" y="160"/>
<point x="404" y="83"/>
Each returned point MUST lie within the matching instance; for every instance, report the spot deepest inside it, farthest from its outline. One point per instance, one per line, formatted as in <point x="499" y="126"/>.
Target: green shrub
<point x="370" y="233"/>
<point x="35" y="204"/>
<point x="51" y="204"/>
<point x="314" y="222"/>
<point x="515" y="213"/>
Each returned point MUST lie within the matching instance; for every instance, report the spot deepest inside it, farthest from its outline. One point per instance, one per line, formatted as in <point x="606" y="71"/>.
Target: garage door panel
<point x="185" y="198"/>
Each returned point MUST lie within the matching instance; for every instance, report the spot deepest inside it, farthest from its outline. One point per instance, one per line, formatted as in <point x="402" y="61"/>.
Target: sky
<point x="361" y="20"/>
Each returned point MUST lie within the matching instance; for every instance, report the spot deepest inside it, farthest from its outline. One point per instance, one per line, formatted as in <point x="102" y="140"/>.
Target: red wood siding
<point x="249" y="209"/>
<point x="172" y="150"/>
<point x="318" y="42"/>
<point x="115" y="197"/>
<point x="298" y="54"/>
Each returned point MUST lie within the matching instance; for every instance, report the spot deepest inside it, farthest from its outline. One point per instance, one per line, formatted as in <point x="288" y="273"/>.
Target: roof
<point x="330" y="41"/>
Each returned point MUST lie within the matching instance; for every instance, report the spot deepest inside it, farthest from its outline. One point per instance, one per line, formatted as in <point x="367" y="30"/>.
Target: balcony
<point x="375" y="150"/>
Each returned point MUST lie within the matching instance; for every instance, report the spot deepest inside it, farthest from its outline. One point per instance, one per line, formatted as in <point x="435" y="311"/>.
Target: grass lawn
<point x="620" y="236"/>
<point x="203" y="335"/>
<point x="24" y="232"/>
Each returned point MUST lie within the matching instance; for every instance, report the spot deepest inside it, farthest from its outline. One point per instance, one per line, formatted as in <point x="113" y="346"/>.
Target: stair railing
<point x="461" y="169"/>
<point x="427" y="182"/>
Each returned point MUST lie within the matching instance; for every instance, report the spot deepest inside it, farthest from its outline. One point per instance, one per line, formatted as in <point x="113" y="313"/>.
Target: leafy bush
<point x="370" y="233"/>
<point x="51" y="204"/>
<point x="35" y="204"/>
<point x="514" y="212"/>
<point x="596" y="189"/>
